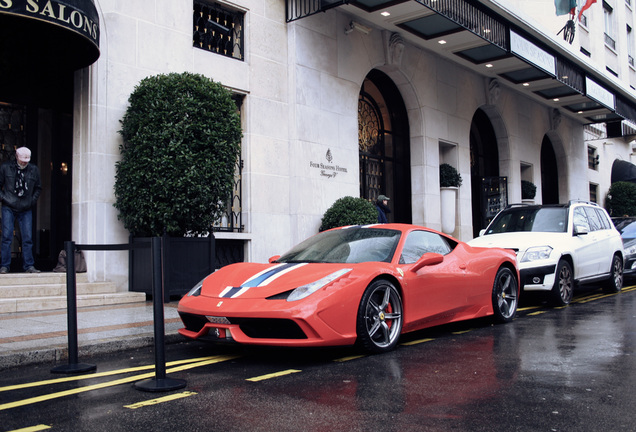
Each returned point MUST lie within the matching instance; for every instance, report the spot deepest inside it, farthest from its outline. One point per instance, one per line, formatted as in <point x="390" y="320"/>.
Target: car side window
<point x="592" y="216"/>
<point x="580" y="219"/>
<point x="603" y="218"/>
<point x="420" y="242"/>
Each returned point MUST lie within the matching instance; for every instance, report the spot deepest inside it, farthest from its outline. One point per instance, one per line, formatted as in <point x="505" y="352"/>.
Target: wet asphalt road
<point x="569" y="369"/>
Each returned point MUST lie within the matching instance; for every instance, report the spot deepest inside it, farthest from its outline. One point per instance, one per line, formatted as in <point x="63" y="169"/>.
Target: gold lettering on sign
<point x="32" y="6"/>
<point x="6" y="4"/>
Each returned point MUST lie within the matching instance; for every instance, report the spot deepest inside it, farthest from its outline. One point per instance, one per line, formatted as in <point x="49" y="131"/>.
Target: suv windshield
<point x="536" y="219"/>
<point x="349" y="245"/>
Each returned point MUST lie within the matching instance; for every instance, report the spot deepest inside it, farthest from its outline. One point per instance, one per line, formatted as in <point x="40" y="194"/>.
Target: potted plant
<point x="181" y="139"/>
<point x="528" y="191"/>
<point x="349" y="211"/>
<point x="449" y="180"/>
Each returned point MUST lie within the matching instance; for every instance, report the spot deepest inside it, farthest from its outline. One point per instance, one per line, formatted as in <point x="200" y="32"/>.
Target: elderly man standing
<point x="20" y="188"/>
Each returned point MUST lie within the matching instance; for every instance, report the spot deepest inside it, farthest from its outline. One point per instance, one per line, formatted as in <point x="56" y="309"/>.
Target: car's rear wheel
<point x="563" y="288"/>
<point x="505" y="295"/>
<point x="615" y="281"/>
<point x="379" y="321"/>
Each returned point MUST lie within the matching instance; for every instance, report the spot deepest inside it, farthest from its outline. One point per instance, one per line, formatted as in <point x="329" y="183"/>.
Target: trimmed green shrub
<point x="449" y="176"/>
<point x="621" y="199"/>
<point x="528" y="189"/>
<point x="349" y="211"/>
<point x="181" y="141"/>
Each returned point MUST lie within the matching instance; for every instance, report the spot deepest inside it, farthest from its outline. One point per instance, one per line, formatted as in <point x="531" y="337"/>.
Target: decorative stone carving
<point x="494" y="91"/>
<point x="555" y="118"/>
<point x="394" y="50"/>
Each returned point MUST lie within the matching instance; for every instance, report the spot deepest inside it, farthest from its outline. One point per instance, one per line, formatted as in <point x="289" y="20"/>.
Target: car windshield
<point x="535" y="219"/>
<point x="348" y="245"/>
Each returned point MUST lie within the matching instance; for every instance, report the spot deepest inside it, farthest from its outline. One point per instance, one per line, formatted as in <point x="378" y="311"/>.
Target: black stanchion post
<point x="159" y="382"/>
<point x="71" y="313"/>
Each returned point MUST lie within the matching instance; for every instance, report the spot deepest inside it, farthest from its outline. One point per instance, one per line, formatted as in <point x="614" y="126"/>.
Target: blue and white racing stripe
<point x="260" y="279"/>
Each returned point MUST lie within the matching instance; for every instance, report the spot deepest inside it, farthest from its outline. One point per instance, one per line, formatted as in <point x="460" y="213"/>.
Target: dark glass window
<point x="218" y="29"/>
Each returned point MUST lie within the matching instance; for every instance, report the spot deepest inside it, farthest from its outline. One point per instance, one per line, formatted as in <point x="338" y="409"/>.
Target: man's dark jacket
<point x="9" y="198"/>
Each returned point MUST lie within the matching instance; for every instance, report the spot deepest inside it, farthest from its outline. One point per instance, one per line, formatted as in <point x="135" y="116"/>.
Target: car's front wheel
<point x="379" y="321"/>
<point x="615" y="281"/>
<point x="563" y="289"/>
<point x="504" y="295"/>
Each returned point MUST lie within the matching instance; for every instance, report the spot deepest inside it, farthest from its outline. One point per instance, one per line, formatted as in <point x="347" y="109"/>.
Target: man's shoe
<point x="31" y="270"/>
<point x="4" y="270"/>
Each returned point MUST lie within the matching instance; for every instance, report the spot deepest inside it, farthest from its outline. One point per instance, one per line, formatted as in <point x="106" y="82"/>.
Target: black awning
<point x="623" y="171"/>
<point x="57" y="34"/>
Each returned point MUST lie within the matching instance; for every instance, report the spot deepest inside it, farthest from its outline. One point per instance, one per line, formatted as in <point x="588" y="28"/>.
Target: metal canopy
<point x="56" y="34"/>
<point x="478" y="38"/>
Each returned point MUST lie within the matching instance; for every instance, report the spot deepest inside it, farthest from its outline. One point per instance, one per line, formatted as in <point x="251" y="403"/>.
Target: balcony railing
<point x="232" y="218"/>
<point x="610" y="42"/>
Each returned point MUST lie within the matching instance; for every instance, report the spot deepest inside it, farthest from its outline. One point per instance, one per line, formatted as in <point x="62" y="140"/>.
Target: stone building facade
<point x="336" y="99"/>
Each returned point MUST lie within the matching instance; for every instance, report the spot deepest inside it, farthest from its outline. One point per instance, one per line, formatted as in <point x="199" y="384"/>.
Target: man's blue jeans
<point x="25" y="221"/>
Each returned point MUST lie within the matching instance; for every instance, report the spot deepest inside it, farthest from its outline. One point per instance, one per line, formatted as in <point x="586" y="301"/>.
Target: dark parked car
<point x="627" y="227"/>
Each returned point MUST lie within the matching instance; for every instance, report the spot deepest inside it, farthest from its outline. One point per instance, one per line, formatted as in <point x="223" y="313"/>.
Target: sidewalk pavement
<point x="42" y="337"/>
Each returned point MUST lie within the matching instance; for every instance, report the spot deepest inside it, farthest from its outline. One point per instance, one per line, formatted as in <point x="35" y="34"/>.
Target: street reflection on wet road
<point x="564" y="369"/>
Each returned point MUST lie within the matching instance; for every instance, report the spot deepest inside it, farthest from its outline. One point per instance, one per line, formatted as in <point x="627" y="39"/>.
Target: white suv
<point x="558" y="246"/>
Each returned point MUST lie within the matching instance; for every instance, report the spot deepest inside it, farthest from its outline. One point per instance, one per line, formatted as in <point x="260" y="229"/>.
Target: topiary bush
<point x="528" y="189"/>
<point x="181" y="140"/>
<point x="349" y="211"/>
<point x="621" y="199"/>
<point x="449" y="176"/>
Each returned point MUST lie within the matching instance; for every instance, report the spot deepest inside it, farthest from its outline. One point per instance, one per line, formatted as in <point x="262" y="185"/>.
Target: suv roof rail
<point x="580" y="201"/>
<point x="534" y="205"/>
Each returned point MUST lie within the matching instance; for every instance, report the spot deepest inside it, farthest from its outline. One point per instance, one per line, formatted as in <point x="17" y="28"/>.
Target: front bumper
<point x="538" y="278"/>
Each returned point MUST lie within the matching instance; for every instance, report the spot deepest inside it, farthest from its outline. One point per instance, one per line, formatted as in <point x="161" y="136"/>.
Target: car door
<point x="437" y="290"/>
<point x="584" y="252"/>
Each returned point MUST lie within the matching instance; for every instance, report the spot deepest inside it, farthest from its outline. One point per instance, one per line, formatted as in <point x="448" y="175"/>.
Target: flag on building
<point x="587" y="4"/>
<point x="564" y="7"/>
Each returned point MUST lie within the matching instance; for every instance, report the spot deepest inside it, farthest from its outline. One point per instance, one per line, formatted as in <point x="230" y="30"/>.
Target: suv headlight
<point x="537" y="253"/>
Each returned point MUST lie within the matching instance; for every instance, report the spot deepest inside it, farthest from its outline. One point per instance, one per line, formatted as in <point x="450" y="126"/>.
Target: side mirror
<point x="427" y="259"/>
<point x="580" y="230"/>
<point x="274" y="259"/>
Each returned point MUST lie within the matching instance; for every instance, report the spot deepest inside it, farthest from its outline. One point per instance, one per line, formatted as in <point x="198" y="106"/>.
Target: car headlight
<point x="196" y="291"/>
<point x="537" y="253"/>
<point x="630" y="250"/>
<point x="303" y="291"/>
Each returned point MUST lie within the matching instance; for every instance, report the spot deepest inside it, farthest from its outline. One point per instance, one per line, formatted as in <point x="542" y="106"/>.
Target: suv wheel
<point x="615" y="281"/>
<point x="563" y="289"/>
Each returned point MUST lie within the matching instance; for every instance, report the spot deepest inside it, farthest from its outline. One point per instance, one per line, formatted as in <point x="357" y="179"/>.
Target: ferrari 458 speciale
<point x="357" y="284"/>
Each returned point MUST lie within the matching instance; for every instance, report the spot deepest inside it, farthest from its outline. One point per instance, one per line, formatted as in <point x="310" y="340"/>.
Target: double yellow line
<point x="176" y="366"/>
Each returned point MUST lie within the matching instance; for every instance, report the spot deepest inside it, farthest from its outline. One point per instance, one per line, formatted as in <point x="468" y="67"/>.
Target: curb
<point x="59" y="353"/>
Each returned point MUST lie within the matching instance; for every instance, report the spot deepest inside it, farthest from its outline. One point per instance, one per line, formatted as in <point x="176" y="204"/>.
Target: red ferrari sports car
<point x="357" y="284"/>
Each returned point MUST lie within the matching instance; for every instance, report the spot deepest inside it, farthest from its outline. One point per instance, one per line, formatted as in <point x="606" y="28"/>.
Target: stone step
<point x="55" y="289"/>
<point x="33" y="292"/>
<point x="11" y="279"/>
<point x="46" y="303"/>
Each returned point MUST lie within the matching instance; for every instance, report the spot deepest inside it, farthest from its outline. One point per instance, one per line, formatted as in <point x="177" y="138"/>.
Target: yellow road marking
<point x="273" y="375"/>
<point x="126" y="380"/>
<point x="344" y="359"/>
<point x="461" y="332"/>
<point x="161" y="400"/>
<point x="537" y="313"/>
<point x="32" y="428"/>
<point x="98" y="375"/>
<point x="419" y="341"/>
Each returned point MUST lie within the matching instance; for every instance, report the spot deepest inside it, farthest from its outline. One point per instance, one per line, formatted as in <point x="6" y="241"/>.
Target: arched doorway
<point x="488" y="190"/>
<point x="549" y="173"/>
<point x="383" y="144"/>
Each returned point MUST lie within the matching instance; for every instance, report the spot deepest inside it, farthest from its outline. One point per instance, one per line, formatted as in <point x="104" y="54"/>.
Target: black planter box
<point x="185" y="261"/>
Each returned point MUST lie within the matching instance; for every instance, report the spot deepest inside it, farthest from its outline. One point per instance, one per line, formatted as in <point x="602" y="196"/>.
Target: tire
<point x="614" y="283"/>
<point x="563" y="289"/>
<point x="379" y="320"/>
<point x="505" y="292"/>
